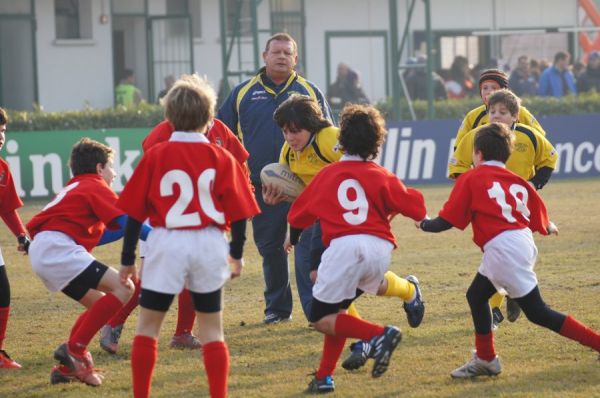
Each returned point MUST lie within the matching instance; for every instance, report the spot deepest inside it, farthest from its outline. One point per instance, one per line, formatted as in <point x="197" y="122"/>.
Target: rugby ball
<point x="280" y="176"/>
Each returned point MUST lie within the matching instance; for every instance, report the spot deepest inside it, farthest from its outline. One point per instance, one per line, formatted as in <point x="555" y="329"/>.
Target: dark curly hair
<point x="362" y="130"/>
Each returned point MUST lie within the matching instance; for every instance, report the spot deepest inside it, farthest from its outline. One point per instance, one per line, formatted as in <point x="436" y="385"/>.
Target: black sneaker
<point x="321" y="386"/>
<point x="415" y="310"/>
<point x="497" y="317"/>
<point x="383" y="347"/>
<point x="359" y="353"/>
<point x="512" y="309"/>
<point x="272" y="319"/>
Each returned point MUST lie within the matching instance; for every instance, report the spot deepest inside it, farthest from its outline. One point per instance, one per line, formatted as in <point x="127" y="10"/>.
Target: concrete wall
<point x="73" y="73"/>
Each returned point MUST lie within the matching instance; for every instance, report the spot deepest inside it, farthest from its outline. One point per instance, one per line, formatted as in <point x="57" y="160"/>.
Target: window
<point x="239" y="20"/>
<point x="73" y="19"/>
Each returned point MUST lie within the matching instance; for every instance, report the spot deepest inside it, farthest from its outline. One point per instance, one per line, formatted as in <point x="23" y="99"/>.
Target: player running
<point x="354" y="200"/>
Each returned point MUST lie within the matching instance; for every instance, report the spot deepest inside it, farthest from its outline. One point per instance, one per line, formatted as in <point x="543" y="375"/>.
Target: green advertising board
<point x="39" y="159"/>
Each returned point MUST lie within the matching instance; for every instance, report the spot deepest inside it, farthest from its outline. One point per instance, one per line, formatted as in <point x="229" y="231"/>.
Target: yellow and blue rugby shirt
<point x="532" y="151"/>
<point x="248" y="111"/>
<point x="322" y="149"/>
<point x="479" y="116"/>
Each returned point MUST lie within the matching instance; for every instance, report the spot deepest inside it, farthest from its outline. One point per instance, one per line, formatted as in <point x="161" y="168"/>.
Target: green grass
<point x="274" y="361"/>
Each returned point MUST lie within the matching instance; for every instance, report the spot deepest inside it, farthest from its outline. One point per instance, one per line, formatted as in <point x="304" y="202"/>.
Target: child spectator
<point x="354" y="200"/>
<point x="504" y="210"/>
<point x="64" y="234"/>
<point x="9" y="203"/>
<point x="191" y="191"/>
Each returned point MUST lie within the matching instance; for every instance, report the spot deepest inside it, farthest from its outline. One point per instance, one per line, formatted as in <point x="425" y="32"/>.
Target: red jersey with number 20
<point x="353" y="197"/>
<point x="82" y="210"/>
<point x="494" y="200"/>
<point x="188" y="183"/>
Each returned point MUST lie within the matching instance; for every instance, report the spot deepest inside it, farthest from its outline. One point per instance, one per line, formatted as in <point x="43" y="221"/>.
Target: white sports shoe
<point x="478" y="367"/>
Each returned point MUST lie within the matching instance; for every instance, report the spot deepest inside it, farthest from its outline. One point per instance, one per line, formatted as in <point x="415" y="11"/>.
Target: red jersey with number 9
<point x="188" y="183"/>
<point x="353" y="197"/>
<point x="494" y="200"/>
<point x="82" y="210"/>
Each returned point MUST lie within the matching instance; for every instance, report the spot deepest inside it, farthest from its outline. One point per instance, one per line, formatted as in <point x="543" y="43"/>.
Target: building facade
<point x="69" y="54"/>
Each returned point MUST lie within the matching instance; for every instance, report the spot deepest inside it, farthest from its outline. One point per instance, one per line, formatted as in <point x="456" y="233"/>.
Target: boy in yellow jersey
<point x="311" y="143"/>
<point x="534" y="159"/>
<point x="490" y="81"/>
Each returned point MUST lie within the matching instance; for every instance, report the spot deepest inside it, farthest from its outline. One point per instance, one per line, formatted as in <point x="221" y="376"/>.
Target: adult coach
<point x="248" y="111"/>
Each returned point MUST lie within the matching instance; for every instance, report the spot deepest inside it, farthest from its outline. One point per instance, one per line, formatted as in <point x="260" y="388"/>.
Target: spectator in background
<point x="416" y="81"/>
<point x="521" y="80"/>
<point x="169" y="81"/>
<point x="577" y="68"/>
<point x="460" y="82"/>
<point x="557" y="80"/>
<point x="590" y="79"/>
<point x="126" y="93"/>
<point x="534" y="69"/>
<point x="346" y="89"/>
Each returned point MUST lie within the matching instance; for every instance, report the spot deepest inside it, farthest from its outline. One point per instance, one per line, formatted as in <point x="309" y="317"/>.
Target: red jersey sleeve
<point x="300" y="214"/>
<point x="132" y="199"/>
<point x="9" y="200"/>
<point x="457" y="209"/>
<point x="222" y="135"/>
<point x="407" y="201"/>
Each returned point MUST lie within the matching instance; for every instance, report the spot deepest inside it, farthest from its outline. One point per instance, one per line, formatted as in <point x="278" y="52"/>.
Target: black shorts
<point x="203" y="302"/>
<point x="88" y="279"/>
<point x="320" y="309"/>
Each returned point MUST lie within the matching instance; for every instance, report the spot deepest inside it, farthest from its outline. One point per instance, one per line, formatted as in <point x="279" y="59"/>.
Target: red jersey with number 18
<point x="353" y="197"/>
<point x="494" y="200"/>
<point x="82" y="210"/>
<point x="188" y="183"/>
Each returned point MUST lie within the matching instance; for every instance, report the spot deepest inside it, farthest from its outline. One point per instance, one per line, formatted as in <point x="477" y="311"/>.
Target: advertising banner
<point x="418" y="152"/>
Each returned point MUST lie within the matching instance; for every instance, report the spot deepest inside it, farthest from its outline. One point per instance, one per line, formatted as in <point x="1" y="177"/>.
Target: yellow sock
<point x="398" y="287"/>
<point x="352" y="311"/>
<point x="496" y="300"/>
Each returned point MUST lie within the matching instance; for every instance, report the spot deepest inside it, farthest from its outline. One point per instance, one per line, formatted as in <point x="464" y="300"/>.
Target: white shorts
<point x="196" y="259"/>
<point x="57" y="259"/>
<point x="1" y="259"/>
<point x="508" y="261"/>
<point x="352" y="262"/>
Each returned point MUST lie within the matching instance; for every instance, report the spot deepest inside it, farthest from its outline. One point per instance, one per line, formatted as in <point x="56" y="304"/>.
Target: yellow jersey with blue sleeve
<point x="321" y="150"/>
<point x="531" y="152"/>
<point x="479" y="116"/>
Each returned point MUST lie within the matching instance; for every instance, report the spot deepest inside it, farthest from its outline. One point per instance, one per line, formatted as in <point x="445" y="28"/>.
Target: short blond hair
<point x="190" y="103"/>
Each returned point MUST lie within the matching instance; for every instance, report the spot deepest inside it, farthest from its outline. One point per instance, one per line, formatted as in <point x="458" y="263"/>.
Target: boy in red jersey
<point x="354" y="200"/>
<point x="9" y="203"/>
<point x="504" y="210"/>
<point x="219" y="134"/>
<point x="191" y="191"/>
<point x="64" y="234"/>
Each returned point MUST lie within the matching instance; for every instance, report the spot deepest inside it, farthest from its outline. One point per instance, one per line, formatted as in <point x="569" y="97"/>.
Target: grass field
<point x="273" y="361"/>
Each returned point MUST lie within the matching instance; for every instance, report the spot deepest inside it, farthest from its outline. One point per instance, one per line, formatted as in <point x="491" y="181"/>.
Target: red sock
<point x="577" y="331"/>
<point x="216" y="363"/>
<point x="98" y="315"/>
<point x="332" y="349"/>
<point x="143" y="357"/>
<point x="349" y="326"/>
<point x="185" y="314"/>
<point x="121" y="316"/>
<point x="78" y="323"/>
<point x="484" y="344"/>
<point x="4" y="313"/>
